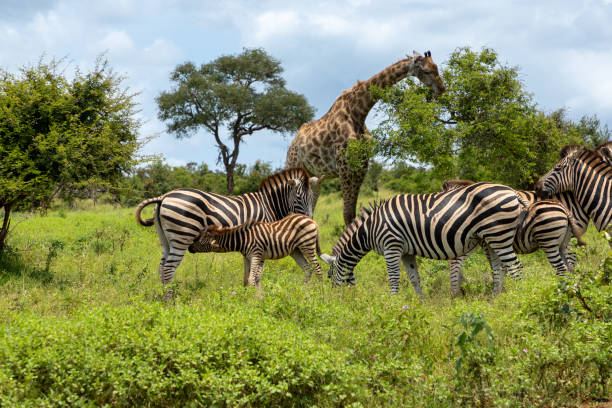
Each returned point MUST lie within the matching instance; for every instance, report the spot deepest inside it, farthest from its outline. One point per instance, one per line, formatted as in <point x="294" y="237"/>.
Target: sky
<point x="563" y="49"/>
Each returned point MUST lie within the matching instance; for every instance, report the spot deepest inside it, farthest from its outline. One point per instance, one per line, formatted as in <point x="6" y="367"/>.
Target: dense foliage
<point x="58" y="134"/>
<point x="82" y="324"/>
<point x="484" y="127"/>
<point x="158" y="178"/>
<point x="231" y="98"/>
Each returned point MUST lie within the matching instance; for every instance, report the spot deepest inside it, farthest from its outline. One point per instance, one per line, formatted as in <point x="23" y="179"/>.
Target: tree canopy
<point x="57" y="133"/>
<point x="232" y="97"/>
<point x="484" y="127"/>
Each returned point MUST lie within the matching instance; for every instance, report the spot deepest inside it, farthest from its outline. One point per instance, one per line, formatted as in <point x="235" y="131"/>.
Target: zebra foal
<point x="443" y="225"/>
<point x="545" y="225"/>
<point x="295" y="235"/>
<point x="181" y="215"/>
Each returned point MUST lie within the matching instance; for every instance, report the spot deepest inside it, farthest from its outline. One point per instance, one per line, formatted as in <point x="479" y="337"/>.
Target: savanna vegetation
<point x="82" y="322"/>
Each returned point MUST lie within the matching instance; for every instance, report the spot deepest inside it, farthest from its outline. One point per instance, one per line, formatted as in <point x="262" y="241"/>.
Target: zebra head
<point x="288" y="191"/>
<point x="301" y="197"/>
<point x="561" y="177"/>
<point x="339" y="274"/>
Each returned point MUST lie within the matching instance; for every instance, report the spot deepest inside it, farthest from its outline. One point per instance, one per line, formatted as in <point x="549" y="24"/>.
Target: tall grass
<point x="82" y="323"/>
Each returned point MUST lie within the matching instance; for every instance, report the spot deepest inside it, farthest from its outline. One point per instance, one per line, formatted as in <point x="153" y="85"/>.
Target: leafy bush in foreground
<point x="149" y="355"/>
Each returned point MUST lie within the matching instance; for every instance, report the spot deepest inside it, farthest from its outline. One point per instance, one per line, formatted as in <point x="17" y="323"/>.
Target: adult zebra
<point x="182" y="215"/>
<point x="588" y="175"/>
<point x="442" y="225"/>
<point x="546" y="225"/>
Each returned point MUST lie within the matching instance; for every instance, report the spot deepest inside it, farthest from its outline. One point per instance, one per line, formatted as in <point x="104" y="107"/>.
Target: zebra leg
<point x="310" y="253"/>
<point x="303" y="263"/>
<point x="411" y="267"/>
<point x="256" y="268"/>
<point x="456" y="276"/>
<point x="392" y="258"/>
<point x="247" y="270"/>
<point x="556" y="259"/>
<point x="496" y="270"/>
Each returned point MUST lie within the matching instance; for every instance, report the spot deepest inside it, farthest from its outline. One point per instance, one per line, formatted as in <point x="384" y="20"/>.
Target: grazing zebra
<point x="546" y="224"/>
<point x="295" y="235"/>
<point x="182" y="214"/>
<point x="588" y="176"/>
<point x="442" y="225"/>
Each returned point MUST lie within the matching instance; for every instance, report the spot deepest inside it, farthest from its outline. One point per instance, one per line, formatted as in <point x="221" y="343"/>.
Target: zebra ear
<point x="328" y="259"/>
<point x="294" y="182"/>
<point x="314" y="182"/>
<point x="606" y="152"/>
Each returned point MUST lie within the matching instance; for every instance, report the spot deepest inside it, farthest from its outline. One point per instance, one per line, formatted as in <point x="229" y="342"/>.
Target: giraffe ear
<point x="416" y="55"/>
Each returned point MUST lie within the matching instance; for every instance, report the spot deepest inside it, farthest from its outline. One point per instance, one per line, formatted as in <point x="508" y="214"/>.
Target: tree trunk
<point x="5" y="226"/>
<point x="229" y="174"/>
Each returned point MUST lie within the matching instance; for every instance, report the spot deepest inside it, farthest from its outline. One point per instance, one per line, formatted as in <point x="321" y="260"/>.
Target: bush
<point x="149" y="355"/>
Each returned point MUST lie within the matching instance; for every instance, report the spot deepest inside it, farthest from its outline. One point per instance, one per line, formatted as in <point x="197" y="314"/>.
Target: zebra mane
<point x="602" y="152"/>
<point x="215" y="230"/>
<point x="456" y="183"/>
<point x="365" y="213"/>
<point x="569" y="149"/>
<point x="295" y="172"/>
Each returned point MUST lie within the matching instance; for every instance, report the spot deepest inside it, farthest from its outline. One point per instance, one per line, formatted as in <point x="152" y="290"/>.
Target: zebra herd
<point x="448" y="225"/>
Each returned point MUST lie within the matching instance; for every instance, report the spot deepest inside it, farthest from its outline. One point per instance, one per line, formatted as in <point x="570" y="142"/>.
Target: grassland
<point x="82" y="324"/>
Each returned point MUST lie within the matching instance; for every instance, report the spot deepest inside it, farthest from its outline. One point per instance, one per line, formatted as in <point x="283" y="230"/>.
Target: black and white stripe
<point x="588" y="175"/>
<point x="442" y="225"/>
<point x="182" y="214"/>
<point x="546" y="225"/>
<point x="295" y="235"/>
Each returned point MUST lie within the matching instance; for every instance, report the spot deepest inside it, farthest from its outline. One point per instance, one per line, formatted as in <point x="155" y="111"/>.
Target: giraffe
<point x="320" y="146"/>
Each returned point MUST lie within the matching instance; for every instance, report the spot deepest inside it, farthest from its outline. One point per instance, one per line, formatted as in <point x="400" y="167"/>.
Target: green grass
<point x="82" y="324"/>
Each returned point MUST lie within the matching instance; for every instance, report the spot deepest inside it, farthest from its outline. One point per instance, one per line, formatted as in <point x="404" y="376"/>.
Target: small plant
<point x="55" y="247"/>
<point x="476" y="355"/>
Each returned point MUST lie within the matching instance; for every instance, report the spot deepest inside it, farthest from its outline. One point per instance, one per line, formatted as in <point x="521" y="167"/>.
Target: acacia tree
<point x="484" y="127"/>
<point x="57" y="133"/>
<point x="232" y="97"/>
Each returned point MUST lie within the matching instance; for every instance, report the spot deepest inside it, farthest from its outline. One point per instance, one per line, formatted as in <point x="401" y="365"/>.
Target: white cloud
<point x="117" y="42"/>
<point x="588" y="73"/>
<point x="162" y="51"/>
<point x="275" y="25"/>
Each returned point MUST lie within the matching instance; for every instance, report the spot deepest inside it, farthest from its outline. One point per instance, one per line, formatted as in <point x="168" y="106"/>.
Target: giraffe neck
<point x="359" y="99"/>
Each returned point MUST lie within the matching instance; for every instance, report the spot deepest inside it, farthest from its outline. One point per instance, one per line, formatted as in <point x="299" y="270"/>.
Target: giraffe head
<point x="426" y="70"/>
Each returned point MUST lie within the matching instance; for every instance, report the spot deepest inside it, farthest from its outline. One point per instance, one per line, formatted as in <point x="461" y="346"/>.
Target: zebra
<point x="588" y="175"/>
<point x="443" y="225"/>
<point x="544" y="224"/>
<point x="181" y="215"/>
<point x="296" y="235"/>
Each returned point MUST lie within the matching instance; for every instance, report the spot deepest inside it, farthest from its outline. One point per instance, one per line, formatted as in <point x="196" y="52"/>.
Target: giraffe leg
<point x="350" y="183"/>
<point x="411" y="267"/>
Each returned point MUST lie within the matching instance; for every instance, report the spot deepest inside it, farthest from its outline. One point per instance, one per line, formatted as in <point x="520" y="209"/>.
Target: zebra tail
<point x="149" y="221"/>
<point x="522" y="201"/>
